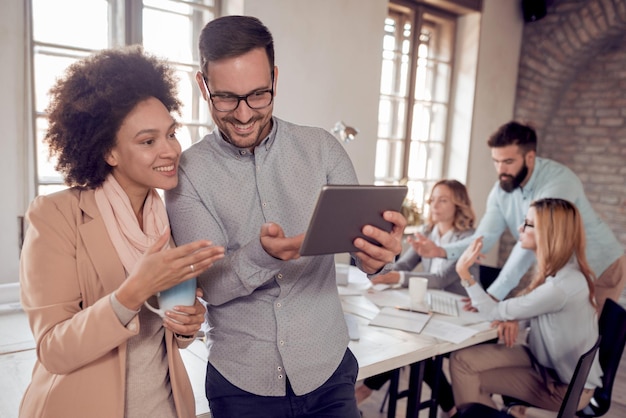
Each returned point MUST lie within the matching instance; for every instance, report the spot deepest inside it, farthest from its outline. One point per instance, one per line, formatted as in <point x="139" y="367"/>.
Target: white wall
<point x="328" y="53"/>
<point x="501" y="26"/>
<point x="13" y="122"/>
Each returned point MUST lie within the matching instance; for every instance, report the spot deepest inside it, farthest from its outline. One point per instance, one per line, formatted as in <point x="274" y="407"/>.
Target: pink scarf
<point x="129" y="240"/>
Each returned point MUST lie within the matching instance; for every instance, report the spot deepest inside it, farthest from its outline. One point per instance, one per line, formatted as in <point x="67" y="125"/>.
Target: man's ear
<point x="274" y="87"/>
<point x="204" y="89"/>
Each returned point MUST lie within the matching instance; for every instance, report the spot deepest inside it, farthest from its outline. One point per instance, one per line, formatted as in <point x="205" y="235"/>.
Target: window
<point x="166" y="28"/>
<point x="413" y="113"/>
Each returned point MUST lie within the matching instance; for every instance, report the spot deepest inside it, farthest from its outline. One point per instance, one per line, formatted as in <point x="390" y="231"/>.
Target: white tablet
<point x="341" y="213"/>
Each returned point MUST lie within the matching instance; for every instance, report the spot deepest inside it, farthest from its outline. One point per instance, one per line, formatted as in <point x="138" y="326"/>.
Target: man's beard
<point x="508" y="183"/>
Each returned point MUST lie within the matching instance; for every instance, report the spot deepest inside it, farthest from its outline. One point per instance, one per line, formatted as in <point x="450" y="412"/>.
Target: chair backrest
<point x="612" y="327"/>
<point x="487" y="275"/>
<point x="577" y="384"/>
<point x="570" y="400"/>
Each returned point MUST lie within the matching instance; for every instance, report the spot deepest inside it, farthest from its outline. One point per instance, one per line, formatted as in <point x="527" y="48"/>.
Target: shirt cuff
<point x="386" y="269"/>
<point x="402" y="279"/>
<point x="124" y="314"/>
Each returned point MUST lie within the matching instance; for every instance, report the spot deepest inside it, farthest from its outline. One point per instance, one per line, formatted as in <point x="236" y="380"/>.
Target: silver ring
<point x="192" y="268"/>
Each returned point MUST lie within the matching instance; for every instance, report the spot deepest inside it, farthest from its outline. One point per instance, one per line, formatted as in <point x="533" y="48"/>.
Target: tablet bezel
<point x="343" y="210"/>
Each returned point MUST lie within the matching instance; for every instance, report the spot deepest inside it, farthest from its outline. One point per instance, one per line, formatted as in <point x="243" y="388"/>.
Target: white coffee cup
<point x="183" y="294"/>
<point x="417" y="292"/>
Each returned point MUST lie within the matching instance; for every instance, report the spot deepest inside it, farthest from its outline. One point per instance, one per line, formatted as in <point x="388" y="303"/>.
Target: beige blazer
<point x="68" y="268"/>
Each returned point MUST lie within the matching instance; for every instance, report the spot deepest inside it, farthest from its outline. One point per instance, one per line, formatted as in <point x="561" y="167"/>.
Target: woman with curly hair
<point x="560" y="305"/>
<point x="95" y="252"/>
<point x="450" y="219"/>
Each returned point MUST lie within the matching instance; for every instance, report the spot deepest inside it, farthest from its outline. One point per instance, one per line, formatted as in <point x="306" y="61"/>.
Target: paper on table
<point x="403" y="320"/>
<point x="389" y="298"/>
<point x="349" y="291"/>
<point x="380" y="287"/>
<point x="444" y="330"/>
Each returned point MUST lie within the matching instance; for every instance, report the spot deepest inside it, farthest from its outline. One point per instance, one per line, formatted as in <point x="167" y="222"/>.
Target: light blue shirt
<point x="563" y="323"/>
<point x="270" y="319"/>
<point x="508" y="210"/>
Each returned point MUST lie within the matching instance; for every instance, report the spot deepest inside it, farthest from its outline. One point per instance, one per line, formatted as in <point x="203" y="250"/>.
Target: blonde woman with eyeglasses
<point x="560" y="305"/>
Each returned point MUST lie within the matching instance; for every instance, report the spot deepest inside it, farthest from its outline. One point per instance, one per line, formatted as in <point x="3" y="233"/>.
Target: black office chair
<point x="488" y="275"/>
<point x="612" y="327"/>
<point x="570" y="401"/>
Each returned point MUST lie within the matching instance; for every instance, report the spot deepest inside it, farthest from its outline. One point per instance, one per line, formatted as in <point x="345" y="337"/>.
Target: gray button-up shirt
<point x="270" y="319"/>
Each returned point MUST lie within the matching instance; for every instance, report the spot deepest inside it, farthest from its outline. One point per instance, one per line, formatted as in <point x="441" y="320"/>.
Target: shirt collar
<point x="530" y="186"/>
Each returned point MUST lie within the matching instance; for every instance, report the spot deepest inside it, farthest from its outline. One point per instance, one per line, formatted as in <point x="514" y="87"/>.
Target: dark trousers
<point x="444" y="397"/>
<point x="334" y="399"/>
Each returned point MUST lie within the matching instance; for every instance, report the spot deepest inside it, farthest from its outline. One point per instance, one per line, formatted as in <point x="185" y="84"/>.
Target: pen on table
<point x="404" y="308"/>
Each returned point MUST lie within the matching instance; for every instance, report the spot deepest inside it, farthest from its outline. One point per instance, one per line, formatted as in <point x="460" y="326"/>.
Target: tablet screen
<point x="341" y="213"/>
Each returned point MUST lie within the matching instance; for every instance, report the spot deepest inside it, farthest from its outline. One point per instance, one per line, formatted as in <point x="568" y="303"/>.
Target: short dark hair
<point x="514" y="133"/>
<point x="88" y="105"/>
<point x="232" y="36"/>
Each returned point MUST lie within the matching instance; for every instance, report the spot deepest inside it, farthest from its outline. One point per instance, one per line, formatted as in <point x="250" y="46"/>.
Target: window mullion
<point x="413" y="51"/>
<point x="133" y="27"/>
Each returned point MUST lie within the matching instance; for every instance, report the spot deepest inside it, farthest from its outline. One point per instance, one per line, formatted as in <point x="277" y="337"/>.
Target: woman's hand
<point x="470" y="256"/>
<point x="392" y="277"/>
<point x="507" y="331"/>
<point x="186" y="320"/>
<point x="161" y="268"/>
<point x="426" y="247"/>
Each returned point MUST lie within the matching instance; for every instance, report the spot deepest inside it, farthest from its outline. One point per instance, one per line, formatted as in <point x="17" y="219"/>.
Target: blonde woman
<point x="561" y="308"/>
<point x="451" y="218"/>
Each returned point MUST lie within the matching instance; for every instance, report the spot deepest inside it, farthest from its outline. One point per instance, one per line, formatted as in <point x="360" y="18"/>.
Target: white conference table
<point x="381" y="349"/>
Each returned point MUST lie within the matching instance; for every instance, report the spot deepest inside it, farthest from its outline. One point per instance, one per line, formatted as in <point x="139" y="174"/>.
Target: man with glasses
<point x="279" y="341"/>
<point x="524" y="178"/>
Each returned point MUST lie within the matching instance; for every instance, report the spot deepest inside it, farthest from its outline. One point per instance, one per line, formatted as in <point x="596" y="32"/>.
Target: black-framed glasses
<point x="526" y="224"/>
<point x="229" y="102"/>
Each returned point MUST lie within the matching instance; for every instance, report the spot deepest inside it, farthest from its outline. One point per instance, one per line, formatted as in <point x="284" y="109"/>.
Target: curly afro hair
<point x="89" y="104"/>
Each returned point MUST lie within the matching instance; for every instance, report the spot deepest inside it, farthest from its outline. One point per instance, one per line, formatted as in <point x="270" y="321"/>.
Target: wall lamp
<point x="344" y="133"/>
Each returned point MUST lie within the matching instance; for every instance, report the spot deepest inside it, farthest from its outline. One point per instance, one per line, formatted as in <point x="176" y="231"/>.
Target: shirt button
<point x="264" y="204"/>
<point x="280" y="275"/>
<point x="278" y="305"/>
<point x="132" y="326"/>
<point x="281" y="342"/>
<point x="280" y="376"/>
<point x="280" y="369"/>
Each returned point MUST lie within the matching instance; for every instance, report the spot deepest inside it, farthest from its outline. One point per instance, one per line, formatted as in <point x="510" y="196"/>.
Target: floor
<point x="17" y="355"/>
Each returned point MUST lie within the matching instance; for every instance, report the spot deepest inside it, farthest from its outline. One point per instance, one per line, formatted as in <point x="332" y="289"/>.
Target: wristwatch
<point x="466" y="283"/>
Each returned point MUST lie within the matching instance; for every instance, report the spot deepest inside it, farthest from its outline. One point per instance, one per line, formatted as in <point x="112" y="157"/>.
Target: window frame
<point x="414" y="13"/>
<point x="125" y="27"/>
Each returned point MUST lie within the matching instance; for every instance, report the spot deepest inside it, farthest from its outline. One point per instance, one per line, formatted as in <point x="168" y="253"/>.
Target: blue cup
<point x="183" y="294"/>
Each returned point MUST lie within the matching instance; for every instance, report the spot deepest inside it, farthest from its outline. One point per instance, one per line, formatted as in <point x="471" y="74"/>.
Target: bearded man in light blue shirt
<point x="524" y="178"/>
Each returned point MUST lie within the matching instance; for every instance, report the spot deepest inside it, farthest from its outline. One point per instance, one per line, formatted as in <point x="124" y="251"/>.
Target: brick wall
<point x="572" y="89"/>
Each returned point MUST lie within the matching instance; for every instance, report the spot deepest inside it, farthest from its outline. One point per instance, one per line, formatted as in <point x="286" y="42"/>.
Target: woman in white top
<point x="450" y="219"/>
<point x="561" y="308"/>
